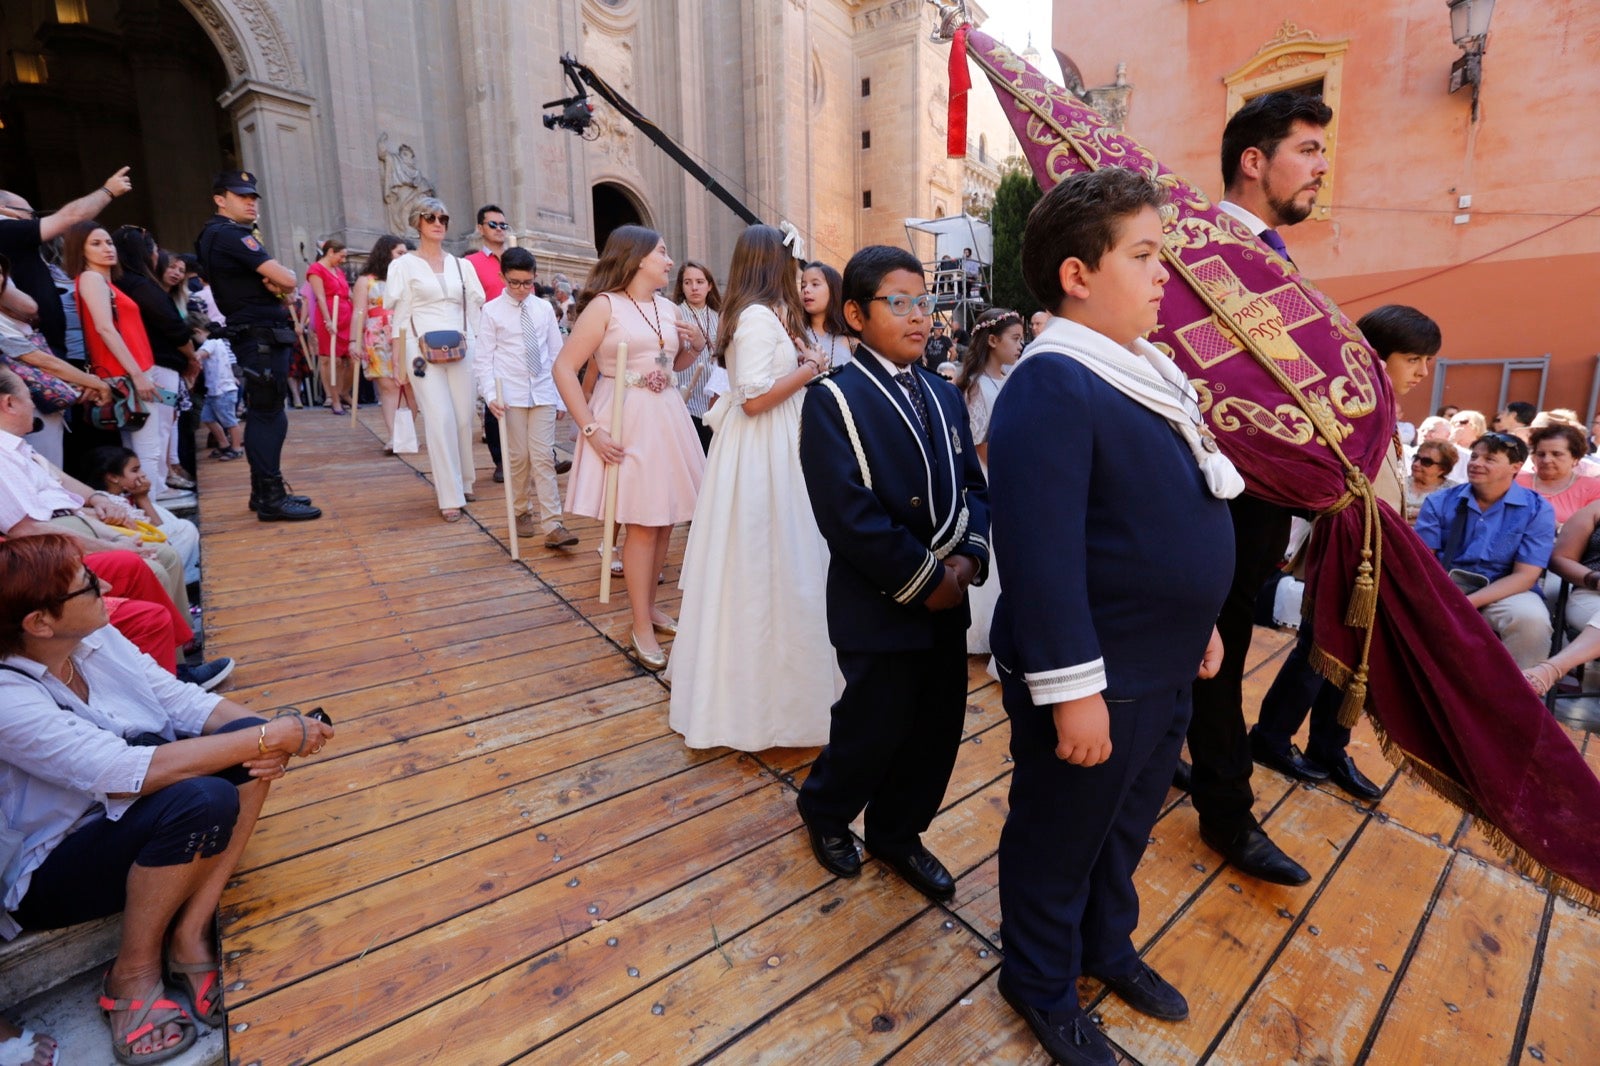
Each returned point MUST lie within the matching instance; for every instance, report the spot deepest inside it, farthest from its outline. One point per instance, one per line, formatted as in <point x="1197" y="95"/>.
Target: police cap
<point x="242" y="182"/>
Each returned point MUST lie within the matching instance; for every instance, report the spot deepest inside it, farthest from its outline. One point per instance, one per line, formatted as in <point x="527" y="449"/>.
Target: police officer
<point x="248" y="285"/>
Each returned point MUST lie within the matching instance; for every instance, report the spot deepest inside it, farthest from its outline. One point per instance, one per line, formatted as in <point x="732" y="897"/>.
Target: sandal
<point x="452" y="514"/>
<point x="206" y="993"/>
<point x="1542" y="677"/>
<point x="149" y="1015"/>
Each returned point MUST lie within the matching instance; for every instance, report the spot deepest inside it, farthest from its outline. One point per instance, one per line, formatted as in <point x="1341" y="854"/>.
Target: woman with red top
<point x="327" y="284"/>
<point x="113" y="330"/>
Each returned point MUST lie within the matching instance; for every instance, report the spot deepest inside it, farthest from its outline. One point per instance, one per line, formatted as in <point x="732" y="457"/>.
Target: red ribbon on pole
<point x="960" y="83"/>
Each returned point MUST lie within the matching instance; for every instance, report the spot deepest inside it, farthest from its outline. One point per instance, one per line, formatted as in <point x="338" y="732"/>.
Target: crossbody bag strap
<point x="463" y="279"/>
<point x="1458" y="533"/>
<point x="37" y="681"/>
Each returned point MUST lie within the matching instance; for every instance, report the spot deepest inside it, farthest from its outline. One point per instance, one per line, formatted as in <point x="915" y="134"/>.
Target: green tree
<point x="1015" y="197"/>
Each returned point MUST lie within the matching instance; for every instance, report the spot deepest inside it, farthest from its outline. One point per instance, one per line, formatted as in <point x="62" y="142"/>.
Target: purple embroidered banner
<point x="1303" y="408"/>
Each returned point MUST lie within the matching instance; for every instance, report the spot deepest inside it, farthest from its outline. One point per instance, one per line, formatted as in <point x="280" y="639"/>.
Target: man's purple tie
<point x="1271" y="239"/>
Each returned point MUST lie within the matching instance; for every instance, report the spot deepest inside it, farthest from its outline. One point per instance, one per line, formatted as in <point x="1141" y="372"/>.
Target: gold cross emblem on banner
<point x="1266" y="318"/>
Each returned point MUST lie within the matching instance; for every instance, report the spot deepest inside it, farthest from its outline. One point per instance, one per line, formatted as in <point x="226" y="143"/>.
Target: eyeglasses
<point x="25" y="212"/>
<point x="435" y="217"/>
<point x="492" y="225"/>
<point x="91" y="588"/>
<point x="900" y="304"/>
<point x="511" y="284"/>
<point x="1425" y="460"/>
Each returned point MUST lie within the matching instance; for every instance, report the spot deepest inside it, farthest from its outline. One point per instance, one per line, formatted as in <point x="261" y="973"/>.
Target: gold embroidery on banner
<point x="1285" y="421"/>
<point x="1354" y="395"/>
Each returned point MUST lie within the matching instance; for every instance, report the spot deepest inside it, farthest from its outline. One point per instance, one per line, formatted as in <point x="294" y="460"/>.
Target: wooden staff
<point x="618" y="384"/>
<point x="505" y="443"/>
<point x="300" y="340"/>
<point x="355" y="384"/>
<point x="333" y="356"/>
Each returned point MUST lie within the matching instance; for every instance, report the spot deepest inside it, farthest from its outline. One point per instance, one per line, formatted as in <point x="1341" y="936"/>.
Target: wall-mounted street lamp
<point x="1469" y="28"/>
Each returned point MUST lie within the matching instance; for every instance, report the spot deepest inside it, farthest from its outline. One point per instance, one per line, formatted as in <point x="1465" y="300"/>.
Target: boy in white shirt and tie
<point x="518" y="341"/>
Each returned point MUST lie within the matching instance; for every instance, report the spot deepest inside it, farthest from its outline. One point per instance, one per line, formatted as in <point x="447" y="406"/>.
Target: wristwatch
<point x="589" y="430"/>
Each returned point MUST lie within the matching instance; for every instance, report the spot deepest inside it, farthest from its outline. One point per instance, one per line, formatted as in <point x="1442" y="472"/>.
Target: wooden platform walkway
<point x="506" y="855"/>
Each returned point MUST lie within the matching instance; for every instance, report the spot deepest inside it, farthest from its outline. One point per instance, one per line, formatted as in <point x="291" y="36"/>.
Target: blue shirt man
<point x="1495" y="537"/>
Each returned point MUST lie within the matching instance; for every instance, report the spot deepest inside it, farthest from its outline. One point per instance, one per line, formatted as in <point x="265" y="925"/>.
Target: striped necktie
<point x="532" y="344"/>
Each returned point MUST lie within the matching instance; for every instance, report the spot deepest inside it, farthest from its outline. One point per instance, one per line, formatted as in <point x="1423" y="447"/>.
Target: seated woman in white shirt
<point x="122" y="789"/>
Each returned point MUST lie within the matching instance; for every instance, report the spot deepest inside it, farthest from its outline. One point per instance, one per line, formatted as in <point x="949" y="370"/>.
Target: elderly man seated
<point x="36" y="498"/>
<point x="1494" y="537"/>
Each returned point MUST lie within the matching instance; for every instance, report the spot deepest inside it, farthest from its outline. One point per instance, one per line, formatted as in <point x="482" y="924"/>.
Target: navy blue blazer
<point x="1121" y="554"/>
<point x="889" y="527"/>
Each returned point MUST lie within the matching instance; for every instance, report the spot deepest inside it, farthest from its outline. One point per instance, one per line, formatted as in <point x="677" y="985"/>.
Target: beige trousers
<point x="528" y="435"/>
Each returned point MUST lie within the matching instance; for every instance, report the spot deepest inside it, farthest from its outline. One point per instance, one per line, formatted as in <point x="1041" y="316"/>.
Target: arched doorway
<point x="95" y="86"/>
<point x="614" y="206"/>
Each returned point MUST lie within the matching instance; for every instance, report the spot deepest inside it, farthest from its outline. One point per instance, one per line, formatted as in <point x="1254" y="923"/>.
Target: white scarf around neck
<point x="1150" y="379"/>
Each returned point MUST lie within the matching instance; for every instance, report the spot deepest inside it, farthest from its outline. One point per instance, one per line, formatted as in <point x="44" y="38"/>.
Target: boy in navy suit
<point x="899" y="496"/>
<point x="1109" y="494"/>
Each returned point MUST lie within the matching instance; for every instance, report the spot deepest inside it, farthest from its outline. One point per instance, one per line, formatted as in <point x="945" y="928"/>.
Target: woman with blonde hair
<point x="436" y="300"/>
<point x="659" y="460"/>
<point x="752" y="667"/>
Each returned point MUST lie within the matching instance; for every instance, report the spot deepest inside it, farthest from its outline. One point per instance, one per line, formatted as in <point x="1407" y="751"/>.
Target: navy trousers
<point x="1298" y="689"/>
<point x="1072" y="839"/>
<point x="892" y="742"/>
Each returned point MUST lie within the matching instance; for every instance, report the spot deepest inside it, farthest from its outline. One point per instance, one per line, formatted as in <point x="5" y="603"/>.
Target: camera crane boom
<point x="577" y="115"/>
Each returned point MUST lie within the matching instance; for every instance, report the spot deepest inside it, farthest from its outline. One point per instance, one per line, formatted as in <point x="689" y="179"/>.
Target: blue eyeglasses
<point x="900" y="304"/>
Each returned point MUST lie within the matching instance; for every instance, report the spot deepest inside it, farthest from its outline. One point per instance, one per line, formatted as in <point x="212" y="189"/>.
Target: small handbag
<point x="50" y="394"/>
<point x="125" y="411"/>
<point x="446" y="345"/>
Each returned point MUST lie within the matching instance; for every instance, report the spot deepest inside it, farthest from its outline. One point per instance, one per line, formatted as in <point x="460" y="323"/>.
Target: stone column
<point x="349" y="125"/>
<point x="276" y="143"/>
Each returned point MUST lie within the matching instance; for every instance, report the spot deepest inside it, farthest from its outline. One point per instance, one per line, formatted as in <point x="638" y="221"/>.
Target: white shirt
<point x="218" y="362"/>
<point x="501" y="355"/>
<point x="26" y="488"/>
<point x="62" y="759"/>
<point x="1255" y="224"/>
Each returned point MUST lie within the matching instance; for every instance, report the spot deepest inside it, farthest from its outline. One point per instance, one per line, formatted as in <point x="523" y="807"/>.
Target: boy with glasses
<point x="899" y="496"/>
<point x="518" y="342"/>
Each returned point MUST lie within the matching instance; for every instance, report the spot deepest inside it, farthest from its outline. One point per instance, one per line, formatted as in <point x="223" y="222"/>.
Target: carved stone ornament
<point x="884" y="14"/>
<point x="1287" y="34"/>
<point x="267" y="58"/>
<point x="403" y="183"/>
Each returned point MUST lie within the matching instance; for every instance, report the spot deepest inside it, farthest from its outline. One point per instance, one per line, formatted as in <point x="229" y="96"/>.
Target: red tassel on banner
<point x="960" y="82"/>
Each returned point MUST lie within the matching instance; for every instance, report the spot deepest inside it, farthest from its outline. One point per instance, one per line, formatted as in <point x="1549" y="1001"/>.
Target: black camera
<point x="577" y="116"/>
<point x="419" y="366"/>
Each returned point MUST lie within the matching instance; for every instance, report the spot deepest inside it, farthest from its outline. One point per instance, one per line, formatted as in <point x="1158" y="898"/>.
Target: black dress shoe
<point x="836" y="851"/>
<point x="1183" y="776"/>
<point x="1068" y="1036"/>
<point x="1149" y="993"/>
<point x="1292" y="763"/>
<point x="1344" y="773"/>
<point x="1252" y="852"/>
<point x="925" y="873"/>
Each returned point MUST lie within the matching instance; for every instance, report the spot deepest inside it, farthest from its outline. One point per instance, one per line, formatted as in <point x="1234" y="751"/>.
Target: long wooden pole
<point x="505" y="443"/>
<point x="618" y="385"/>
<point x="333" y="359"/>
<point x="355" y="384"/>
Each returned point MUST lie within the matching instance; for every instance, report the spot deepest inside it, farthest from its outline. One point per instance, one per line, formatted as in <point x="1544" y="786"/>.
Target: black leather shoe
<point x="1149" y="993"/>
<point x="1294" y="764"/>
<point x="1183" y="777"/>
<point x="835" y="851"/>
<point x="925" y="873"/>
<point x="1344" y="773"/>
<point x="1252" y="852"/>
<point x="1068" y="1036"/>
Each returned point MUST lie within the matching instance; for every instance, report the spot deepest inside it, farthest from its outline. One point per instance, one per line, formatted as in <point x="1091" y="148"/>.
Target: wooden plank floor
<point x="506" y="855"/>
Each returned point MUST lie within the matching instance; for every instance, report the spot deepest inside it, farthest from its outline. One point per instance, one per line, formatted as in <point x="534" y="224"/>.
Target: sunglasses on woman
<point x="1425" y="460"/>
<point x="432" y="216"/>
<point x="91" y="588"/>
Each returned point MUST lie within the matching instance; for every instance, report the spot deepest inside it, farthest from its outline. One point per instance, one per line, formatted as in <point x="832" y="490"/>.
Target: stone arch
<point x="616" y="203"/>
<point x="272" y="107"/>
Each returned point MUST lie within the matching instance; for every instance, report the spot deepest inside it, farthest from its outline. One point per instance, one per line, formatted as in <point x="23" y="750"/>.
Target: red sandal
<point x="152" y="1011"/>
<point x="206" y="993"/>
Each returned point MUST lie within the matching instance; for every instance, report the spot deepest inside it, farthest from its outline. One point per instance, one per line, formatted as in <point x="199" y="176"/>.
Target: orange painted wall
<point x="1406" y="150"/>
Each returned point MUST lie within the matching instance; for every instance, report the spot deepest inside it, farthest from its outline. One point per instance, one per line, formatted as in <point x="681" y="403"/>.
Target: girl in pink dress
<point x="659" y="453"/>
<point x="328" y="281"/>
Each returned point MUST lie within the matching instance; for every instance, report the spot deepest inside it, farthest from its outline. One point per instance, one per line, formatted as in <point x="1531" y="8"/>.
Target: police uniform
<point x="893" y="500"/>
<point x="261" y="332"/>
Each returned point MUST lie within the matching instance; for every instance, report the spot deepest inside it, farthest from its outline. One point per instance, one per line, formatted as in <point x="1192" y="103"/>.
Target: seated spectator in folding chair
<point x="1494" y="537"/>
<point x="1576" y="559"/>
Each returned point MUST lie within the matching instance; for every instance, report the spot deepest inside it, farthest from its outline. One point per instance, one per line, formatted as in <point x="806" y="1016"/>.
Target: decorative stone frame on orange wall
<point x="1294" y="58"/>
